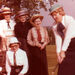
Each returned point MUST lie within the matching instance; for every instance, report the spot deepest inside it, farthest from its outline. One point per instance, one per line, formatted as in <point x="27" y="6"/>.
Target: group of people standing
<point x="25" y="42"/>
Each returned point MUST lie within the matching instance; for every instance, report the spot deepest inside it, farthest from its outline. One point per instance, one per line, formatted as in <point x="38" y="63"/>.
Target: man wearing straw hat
<point x="16" y="59"/>
<point x="63" y="48"/>
<point x="7" y="25"/>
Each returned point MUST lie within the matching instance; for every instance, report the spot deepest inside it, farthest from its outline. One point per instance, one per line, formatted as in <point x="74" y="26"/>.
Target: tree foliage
<point x="52" y="2"/>
<point x="32" y="6"/>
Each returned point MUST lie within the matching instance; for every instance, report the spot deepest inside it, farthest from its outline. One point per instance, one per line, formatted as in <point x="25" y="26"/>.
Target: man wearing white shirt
<point x="16" y="59"/>
<point x="57" y="12"/>
<point x="7" y="25"/>
<point x="63" y="37"/>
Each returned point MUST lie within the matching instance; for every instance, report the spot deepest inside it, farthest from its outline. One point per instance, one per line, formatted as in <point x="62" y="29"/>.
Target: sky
<point x="69" y="8"/>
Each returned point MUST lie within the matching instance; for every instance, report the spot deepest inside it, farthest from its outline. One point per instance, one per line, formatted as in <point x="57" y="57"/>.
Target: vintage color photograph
<point x="37" y="37"/>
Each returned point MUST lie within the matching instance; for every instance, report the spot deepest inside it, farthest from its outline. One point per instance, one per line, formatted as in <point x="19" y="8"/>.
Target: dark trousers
<point x="67" y="67"/>
<point x="15" y="70"/>
<point x="38" y="61"/>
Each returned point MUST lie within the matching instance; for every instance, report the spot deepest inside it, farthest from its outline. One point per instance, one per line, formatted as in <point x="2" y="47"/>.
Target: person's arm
<point x="29" y="38"/>
<point x="46" y="39"/>
<point x="70" y="33"/>
<point x="58" y="41"/>
<point x="2" y="32"/>
<point x="25" y="64"/>
<point x="8" y="67"/>
<point x="31" y="41"/>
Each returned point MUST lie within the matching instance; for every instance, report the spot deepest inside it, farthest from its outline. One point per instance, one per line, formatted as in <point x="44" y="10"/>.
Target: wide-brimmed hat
<point x="21" y="13"/>
<point x="6" y="10"/>
<point x="34" y="17"/>
<point x="54" y="7"/>
<point x="13" y="40"/>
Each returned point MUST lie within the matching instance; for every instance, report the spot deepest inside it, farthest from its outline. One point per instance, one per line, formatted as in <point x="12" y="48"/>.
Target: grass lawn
<point x="52" y="61"/>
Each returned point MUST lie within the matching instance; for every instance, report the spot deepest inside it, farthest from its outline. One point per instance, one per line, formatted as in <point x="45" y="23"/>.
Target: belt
<point x="16" y="66"/>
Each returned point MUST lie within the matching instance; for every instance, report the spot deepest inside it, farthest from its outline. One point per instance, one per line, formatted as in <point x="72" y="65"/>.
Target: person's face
<point x="37" y="22"/>
<point x="22" y="18"/>
<point x="7" y="16"/>
<point x="57" y="15"/>
<point x="14" y="47"/>
<point x="61" y="11"/>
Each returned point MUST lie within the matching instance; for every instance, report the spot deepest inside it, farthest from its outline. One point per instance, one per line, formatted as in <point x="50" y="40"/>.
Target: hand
<point x="62" y="55"/>
<point x="42" y="47"/>
<point x="38" y="45"/>
<point x="58" y="58"/>
<point x="20" y="74"/>
<point x="33" y="44"/>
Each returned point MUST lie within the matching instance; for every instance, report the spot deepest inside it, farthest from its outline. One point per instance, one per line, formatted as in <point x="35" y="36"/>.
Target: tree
<point x="52" y="2"/>
<point x="32" y="6"/>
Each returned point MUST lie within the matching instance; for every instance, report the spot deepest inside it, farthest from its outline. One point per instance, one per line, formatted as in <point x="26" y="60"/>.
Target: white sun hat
<point x="13" y="40"/>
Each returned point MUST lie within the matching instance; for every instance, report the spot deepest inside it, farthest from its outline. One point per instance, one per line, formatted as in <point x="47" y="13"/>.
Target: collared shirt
<point x="5" y="30"/>
<point x="21" y="60"/>
<point x="66" y="21"/>
<point x="32" y="37"/>
<point x="70" y="33"/>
